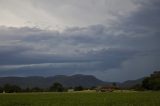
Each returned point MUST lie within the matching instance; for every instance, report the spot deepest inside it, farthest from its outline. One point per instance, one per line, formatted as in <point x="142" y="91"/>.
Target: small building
<point x="106" y="88"/>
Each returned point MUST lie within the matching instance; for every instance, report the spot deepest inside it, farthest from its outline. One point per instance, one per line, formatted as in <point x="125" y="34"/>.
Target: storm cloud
<point x="126" y="48"/>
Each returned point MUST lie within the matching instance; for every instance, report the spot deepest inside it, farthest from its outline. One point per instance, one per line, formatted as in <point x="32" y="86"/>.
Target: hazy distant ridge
<point x="67" y="81"/>
<point x="44" y="82"/>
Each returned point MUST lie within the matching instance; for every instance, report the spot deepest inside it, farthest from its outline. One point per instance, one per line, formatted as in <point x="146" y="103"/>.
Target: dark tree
<point x="114" y="84"/>
<point x="138" y="87"/>
<point x="146" y="84"/>
<point x="27" y="89"/>
<point x="11" y="88"/>
<point x="8" y="88"/>
<point x="78" y="88"/>
<point x="152" y="82"/>
<point x="16" y="88"/>
<point x="1" y="89"/>
<point x="56" y="87"/>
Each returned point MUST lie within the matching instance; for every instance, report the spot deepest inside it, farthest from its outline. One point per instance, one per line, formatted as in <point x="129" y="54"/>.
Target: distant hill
<point x="66" y="81"/>
<point x="45" y="82"/>
<point x="130" y="83"/>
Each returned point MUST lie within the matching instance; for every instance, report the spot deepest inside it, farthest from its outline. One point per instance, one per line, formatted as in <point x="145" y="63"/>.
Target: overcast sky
<point x="114" y="40"/>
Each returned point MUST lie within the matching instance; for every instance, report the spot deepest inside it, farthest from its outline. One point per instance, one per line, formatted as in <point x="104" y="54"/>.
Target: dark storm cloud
<point x="92" y="61"/>
<point x="22" y="53"/>
<point x="130" y="47"/>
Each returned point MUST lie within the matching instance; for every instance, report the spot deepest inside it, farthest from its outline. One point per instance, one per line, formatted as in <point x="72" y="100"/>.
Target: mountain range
<point x="66" y="81"/>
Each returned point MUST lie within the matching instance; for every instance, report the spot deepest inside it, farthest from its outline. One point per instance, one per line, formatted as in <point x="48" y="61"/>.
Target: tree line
<point x="150" y="83"/>
<point x="55" y="87"/>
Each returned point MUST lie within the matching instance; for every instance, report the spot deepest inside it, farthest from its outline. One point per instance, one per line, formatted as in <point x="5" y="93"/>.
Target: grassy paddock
<point x="81" y="99"/>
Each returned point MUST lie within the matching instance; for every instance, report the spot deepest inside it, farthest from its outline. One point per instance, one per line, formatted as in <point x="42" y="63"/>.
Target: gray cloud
<point x="127" y="49"/>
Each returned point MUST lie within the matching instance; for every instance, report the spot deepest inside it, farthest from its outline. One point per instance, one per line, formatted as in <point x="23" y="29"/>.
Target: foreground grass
<point x="81" y="99"/>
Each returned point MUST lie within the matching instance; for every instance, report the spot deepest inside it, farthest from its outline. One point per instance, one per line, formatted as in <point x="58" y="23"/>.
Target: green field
<point x="81" y="99"/>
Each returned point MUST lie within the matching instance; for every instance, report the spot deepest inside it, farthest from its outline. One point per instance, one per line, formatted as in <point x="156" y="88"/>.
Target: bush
<point x="36" y="89"/>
